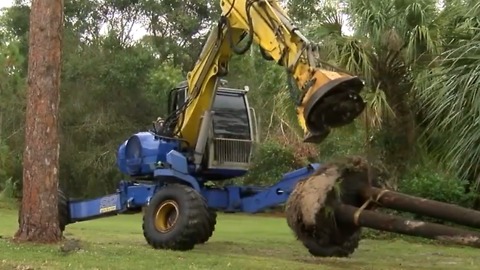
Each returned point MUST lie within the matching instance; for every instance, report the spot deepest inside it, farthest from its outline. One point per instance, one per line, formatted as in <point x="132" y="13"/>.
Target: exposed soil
<point x="310" y="207"/>
<point x="309" y="197"/>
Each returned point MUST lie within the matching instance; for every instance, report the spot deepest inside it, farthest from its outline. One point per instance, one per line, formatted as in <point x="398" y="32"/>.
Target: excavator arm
<point x="327" y="99"/>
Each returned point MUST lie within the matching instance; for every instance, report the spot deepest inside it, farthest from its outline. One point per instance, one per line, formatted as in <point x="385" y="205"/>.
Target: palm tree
<point x="449" y="95"/>
<point x="391" y="42"/>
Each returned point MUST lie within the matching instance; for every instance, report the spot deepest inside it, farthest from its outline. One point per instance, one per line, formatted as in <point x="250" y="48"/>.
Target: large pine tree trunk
<point x="39" y="211"/>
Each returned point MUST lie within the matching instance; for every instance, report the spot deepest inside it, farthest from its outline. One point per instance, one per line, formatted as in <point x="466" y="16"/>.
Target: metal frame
<point x="253" y="126"/>
<point x="157" y="161"/>
<point x="132" y="195"/>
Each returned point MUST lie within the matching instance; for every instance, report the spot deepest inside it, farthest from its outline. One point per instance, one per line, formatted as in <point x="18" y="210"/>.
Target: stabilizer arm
<point x="327" y="99"/>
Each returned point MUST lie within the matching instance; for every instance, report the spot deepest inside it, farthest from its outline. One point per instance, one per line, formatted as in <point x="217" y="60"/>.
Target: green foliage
<point x="432" y="183"/>
<point x="390" y="42"/>
<point x="270" y="162"/>
<point x="9" y="186"/>
<point x="448" y="98"/>
<point x="114" y="85"/>
<point x="9" y="189"/>
<point x="4" y="151"/>
<point x="349" y="140"/>
<point x="160" y="80"/>
<point x="16" y="20"/>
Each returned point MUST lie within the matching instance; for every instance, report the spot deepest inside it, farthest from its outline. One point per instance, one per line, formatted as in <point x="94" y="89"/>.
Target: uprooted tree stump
<point x="327" y="210"/>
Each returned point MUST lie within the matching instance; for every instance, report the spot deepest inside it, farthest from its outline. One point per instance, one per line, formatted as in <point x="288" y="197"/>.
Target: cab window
<point x="230" y="119"/>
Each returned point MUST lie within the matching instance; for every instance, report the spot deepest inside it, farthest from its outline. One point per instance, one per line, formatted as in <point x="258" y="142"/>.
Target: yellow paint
<point x="107" y="209"/>
<point x="265" y="36"/>
<point x="163" y="222"/>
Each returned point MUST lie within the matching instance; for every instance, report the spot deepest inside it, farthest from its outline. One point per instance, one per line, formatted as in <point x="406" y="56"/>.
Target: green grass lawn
<point x="239" y="242"/>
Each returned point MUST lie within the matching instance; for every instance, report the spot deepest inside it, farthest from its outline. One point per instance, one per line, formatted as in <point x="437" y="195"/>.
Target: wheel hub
<point x="166" y="216"/>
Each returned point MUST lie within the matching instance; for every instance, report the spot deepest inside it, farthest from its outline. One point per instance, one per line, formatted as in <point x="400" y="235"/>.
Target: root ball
<point x="310" y="207"/>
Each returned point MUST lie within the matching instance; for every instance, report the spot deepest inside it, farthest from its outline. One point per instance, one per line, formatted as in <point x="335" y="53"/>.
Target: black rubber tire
<point x="212" y="222"/>
<point x="63" y="210"/>
<point x="193" y="221"/>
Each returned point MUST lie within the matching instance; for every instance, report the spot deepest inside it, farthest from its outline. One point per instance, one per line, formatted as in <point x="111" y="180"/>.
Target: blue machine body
<point x="155" y="161"/>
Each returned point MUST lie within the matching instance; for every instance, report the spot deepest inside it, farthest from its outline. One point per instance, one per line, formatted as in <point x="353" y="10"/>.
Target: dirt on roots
<point x="310" y="207"/>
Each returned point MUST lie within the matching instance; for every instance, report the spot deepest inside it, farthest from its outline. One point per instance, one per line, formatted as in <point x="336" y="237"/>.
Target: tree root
<point x="309" y="209"/>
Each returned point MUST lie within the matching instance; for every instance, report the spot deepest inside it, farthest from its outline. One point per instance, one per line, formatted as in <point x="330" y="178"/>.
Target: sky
<point x="5" y="3"/>
<point x="138" y="32"/>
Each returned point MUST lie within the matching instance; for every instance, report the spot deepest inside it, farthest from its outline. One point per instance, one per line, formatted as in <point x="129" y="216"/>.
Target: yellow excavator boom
<point x="328" y="99"/>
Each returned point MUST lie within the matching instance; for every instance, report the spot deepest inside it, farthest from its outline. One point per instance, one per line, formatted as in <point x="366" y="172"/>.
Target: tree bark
<point x="401" y="130"/>
<point x="38" y="220"/>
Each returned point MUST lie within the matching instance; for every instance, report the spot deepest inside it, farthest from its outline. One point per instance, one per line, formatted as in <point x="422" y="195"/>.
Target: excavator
<point x="209" y="135"/>
<point x="327" y="99"/>
<point x="210" y="132"/>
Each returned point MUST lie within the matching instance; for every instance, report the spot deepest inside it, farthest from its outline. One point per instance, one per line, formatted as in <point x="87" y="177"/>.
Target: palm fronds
<point x="450" y="99"/>
<point x="378" y="110"/>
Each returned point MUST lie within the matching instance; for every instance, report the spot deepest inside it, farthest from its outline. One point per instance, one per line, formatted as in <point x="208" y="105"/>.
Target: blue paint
<point x="98" y="207"/>
<point x="178" y="162"/>
<point x="256" y="199"/>
<point x="169" y="176"/>
<point x="160" y="161"/>
<point x="131" y="195"/>
<point x="142" y="152"/>
<point x="135" y="195"/>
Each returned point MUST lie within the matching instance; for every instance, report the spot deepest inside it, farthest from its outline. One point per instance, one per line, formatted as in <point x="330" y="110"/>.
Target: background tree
<point x="448" y="96"/>
<point x="38" y="213"/>
<point x="120" y="59"/>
